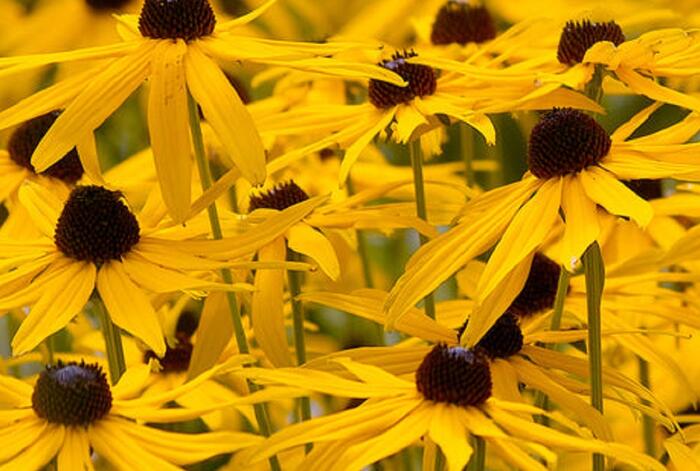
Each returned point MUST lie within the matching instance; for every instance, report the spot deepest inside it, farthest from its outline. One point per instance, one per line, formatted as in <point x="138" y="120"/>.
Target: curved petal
<point x="306" y="240"/>
<point x="615" y="197"/>
<point x="75" y="452"/>
<point x="43" y="206"/>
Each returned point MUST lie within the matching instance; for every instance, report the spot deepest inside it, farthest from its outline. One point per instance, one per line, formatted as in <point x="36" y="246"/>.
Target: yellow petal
<point x="168" y="126"/>
<point x="581" y="220"/>
<point x="213" y="334"/>
<point x="75" y="453"/>
<point x="43" y="206"/>
<point x="304" y="239"/>
<point x="608" y="192"/>
<point x="352" y="153"/>
<point x="450" y="434"/>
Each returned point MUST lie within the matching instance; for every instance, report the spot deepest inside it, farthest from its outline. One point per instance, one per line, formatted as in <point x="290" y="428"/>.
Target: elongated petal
<point x="581" y="220"/>
<point x="450" y="434"/>
<point x="213" y="334"/>
<point x="168" y="126"/>
<point x="75" y="452"/>
<point x="129" y="307"/>
<point x="43" y="448"/>
<point x="352" y="153"/>
<point x="304" y="239"/>
<point x="225" y="112"/>
<point x="43" y="206"/>
<point x="611" y="194"/>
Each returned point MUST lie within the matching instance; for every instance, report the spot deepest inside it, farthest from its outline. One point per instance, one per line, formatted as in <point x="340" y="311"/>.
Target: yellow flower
<point x="93" y="241"/>
<point x="174" y="45"/>
<point x="575" y="166"/>
<point x="449" y="401"/>
<point x="72" y="410"/>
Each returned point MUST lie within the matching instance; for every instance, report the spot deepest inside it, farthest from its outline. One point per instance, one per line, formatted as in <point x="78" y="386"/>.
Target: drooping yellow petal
<point x="611" y="194"/>
<point x="581" y="221"/>
<point x="103" y="94"/>
<point x="226" y="113"/>
<point x="352" y="153"/>
<point x="648" y="87"/>
<point x="528" y="229"/>
<point x="306" y="240"/>
<point x="43" y="206"/>
<point x="168" y="126"/>
<point x="450" y="434"/>
<point x="213" y="334"/>
<point x="44" y="447"/>
<point x="268" y="308"/>
<point x="75" y="453"/>
<point x="129" y="307"/>
<point x="247" y="18"/>
<point x="87" y="150"/>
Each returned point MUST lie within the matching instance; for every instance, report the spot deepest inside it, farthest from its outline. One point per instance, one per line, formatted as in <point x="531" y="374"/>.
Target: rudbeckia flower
<point x="449" y="400"/>
<point x="93" y="241"/>
<point x="72" y="411"/>
<point x="174" y="45"/>
<point x="575" y="166"/>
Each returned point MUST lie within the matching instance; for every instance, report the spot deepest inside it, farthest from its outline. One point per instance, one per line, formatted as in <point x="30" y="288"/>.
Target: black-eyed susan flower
<point x="448" y="400"/>
<point x="72" y="411"/>
<point x="92" y="241"/>
<point x="175" y="46"/>
<point x="575" y="167"/>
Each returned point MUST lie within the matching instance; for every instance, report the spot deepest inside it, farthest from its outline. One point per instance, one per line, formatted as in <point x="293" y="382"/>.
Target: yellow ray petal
<point x="581" y="221"/>
<point x="20" y="435"/>
<point x="268" y="308"/>
<point x="449" y="433"/>
<point x="247" y="18"/>
<point x="129" y="307"/>
<point x="103" y="94"/>
<point x="352" y="153"/>
<point x="213" y="334"/>
<point x="168" y="126"/>
<point x="87" y="150"/>
<point x="43" y="206"/>
<point x="304" y="239"/>
<point x="132" y="382"/>
<point x="225" y="112"/>
<point x="45" y="446"/>
<point x="608" y="192"/>
<point x="75" y="453"/>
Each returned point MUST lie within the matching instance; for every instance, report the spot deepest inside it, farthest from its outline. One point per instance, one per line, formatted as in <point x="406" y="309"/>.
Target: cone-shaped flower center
<point x="564" y="142"/>
<point x="106" y="5"/>
<point x="504" y="338"/>
<point x="540" y="288"/>
<point x="280" y="197"/>
<point x="176" y="19"/>
<point x="96" y="226"/>
<point x="455" y="375"/>
<point x="577" y="37"/>
<point x="457" y="22"/>
<point x="422" y="81"/>
<point x="72" y="394"/>
<point x="24" y="140"/>
<point x="646" y="188"/>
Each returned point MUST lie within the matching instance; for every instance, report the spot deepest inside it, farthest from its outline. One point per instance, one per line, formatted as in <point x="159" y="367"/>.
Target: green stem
<point x="50" y="347"/>
<point x="261" y="414"/>
<point x="421" y="209"/>
<point x="542" y="400"/>
<point x="113" y="341"/>
<point x="594" y="271"/>
<point x="466" y="144"/>
<point x="298" y="320"/>
<point x="647" y="422"/>
<point x="478" y="461"/>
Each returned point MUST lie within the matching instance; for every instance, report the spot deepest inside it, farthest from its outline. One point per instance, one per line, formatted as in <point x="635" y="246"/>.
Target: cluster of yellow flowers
<point x="347" y="235"/>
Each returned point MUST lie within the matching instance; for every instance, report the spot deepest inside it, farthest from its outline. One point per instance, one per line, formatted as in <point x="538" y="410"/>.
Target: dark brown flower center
<point x="421" y="79"/>
<point x="564" y="142"/>
<point x="455" y="375"/>
<point x="176" y="358"/>
<point x="72" y="394"/>
<point x="26" y="138"/>
<point x="457" y="22"/>
<point x="540" y="288"/>
<point x="503" y="339"/>
<point x="96" y="226"/>
<point x="645" y="188"/>
<point x="577" y="37"/>
<point x="106" y="5"/>
<point x="280" y="197"/>
<point x="176" y="19"/>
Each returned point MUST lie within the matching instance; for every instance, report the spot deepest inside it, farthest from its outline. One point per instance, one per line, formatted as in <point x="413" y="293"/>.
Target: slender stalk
<point x="466" y="145"/>
<point x="478" y="461"/>
<point x="542" y="400"/>
<point x="594" y="271"/>
<point x="113" y="341"/>
<point x="647" y="422"/>
<point x="421" y="209"/>
<point x="50" y="348"/>
<point x="261" y="414"/>
<point x="298" y="320"/>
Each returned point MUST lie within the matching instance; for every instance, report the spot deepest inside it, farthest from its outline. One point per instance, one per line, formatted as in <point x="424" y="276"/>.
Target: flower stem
<point x="113" y="342"/>
<point x="647" y="422"/>
<point x="542" y="400"/>
<point x="261" y="414"/>
<point x="298" y="320"/>
<point x="466" y="146"/>
<point x="478" y="461"/>
<point x="594" y="271"/>
<point x="421" y="209"/>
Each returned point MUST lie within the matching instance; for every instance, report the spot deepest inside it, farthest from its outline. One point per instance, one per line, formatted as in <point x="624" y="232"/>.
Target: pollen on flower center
<point x="454" y="375"/>
<point x="577" y="37"/>
<point x="457" y="22"/>
<point x="564" y="142"/>
<point x="280" y="197"/>
<point x="422" y="81"/>
<point x="72" y="394"/>
<point x="96" y="226"/>
<point x="106" y="5"/>
<point x="503" y="339"/>
<point x="26" y="138"/>
<point x="540" y="287"/>
<point x="177" y="19"/>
